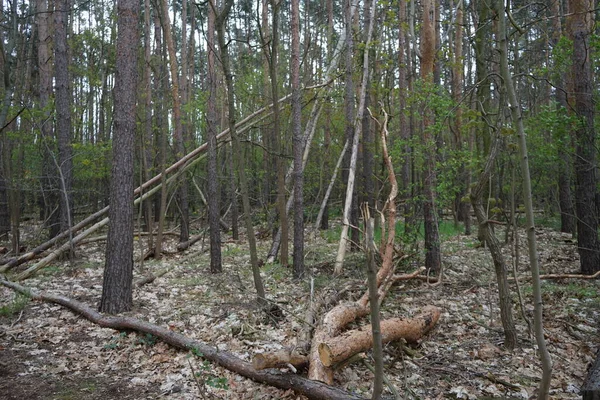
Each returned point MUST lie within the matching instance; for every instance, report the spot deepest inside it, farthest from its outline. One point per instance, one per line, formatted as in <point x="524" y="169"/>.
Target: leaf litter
<point x="47" y="352"/>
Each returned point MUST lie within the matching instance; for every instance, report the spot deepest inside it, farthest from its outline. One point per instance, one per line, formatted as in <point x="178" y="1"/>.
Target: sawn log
<point x="349" y="343"/>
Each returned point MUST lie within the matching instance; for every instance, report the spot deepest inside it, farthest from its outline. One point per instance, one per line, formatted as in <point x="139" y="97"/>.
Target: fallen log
<point x="279" y="358"/>
<point x="309" y="388"/>
<point x="349" y="343"/>
<point x="182" y="163"/>
<point x="151" y="278"/>
<point x="564" y="276"/>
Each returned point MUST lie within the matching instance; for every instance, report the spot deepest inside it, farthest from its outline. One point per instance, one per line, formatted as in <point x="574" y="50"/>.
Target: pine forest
<point x="299" y="199"/>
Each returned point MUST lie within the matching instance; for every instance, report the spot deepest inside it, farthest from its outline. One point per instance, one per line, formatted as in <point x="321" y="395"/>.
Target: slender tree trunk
<point x="117" y="294"/>
<point x="182" y="190"/>
<point x="513" y="103"/>
<point x="161" y="132"/>
<point x="45" y="90"/>
<point x="298" y="145"/>
<point x="147" y="136"/>
<point x="220" y="23"/>
<point x="565" y="172"/>
<point x="278" y="143"/>
<point x="433" y="257"/>
<point x="213" y="178"/>
<point x="357" y="133"/>
<point x="580" y="29"/>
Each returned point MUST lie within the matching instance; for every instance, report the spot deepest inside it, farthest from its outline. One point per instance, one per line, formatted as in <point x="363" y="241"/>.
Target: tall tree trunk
<point x="147" y="162"/>
<point x="517" y="119"/>
<point x="182" y="190"/>
<point x="220" y="22"/>
<point x="357" y="127"/>
<point x="277" y="142"/>
<point x="351" y="134"/>
<point x="63" y="112"/>
<point x="567" y="211"/>
<point x="213" y="177"/>
<point x="580" y="29"/>
<point x="44" y="62"/>
<point x="161" y="84"/>
<point x="298" y="145"/>
<point x="117" y="294"/>
<point x="433" y="257"/>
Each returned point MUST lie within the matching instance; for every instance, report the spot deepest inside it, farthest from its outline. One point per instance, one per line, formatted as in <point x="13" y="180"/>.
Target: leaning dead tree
<point x="285" y="381"/>
<point x="148" y="188"/>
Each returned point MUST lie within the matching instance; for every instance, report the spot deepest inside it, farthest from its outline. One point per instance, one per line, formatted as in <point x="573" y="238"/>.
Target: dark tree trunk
<point x="63" y="113"/>
<point x="298" y="144"/>
<point x="118" y="272"/>
<point x="213" y="178"/>
<point x="580" y="24"/>
<point x="567" y="211"/>
<point x="433" y="258"/>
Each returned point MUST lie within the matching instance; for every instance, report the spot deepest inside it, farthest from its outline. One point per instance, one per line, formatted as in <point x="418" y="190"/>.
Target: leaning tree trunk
<point x="358" y="120"/>
<point x="485" y="229"/>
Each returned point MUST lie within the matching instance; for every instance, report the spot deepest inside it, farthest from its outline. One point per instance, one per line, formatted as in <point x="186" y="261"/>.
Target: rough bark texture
<point x="63" y="113"/>
<point x="565" y="171"/>
<point x="298" y="145"/>
<point x="580" y="29"/>
<point x="285" y="381"/>
<point x="182" y="190"/>
<point x="347" y="344"/>
<point x="279" y="359"/>
<point x="118" y="273"/>
<point x="433" y="257"/>
<point x="214" y="203"/>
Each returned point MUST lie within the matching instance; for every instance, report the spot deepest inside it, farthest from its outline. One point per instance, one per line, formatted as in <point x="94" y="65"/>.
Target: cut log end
<point x="344" y="346"/>
<point x="325" y="354"/>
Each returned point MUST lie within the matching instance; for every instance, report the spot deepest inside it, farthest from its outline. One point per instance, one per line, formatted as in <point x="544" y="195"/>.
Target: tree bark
<point x="357" y="129"/>
<point x="298" y="145"/>
<point x="433" y="256"/>
<point x="580" y="29"/>
<point x="345" y="345"/>
<point x="220" y="23"/>
<point x="506" y="314"/>
<point x="513" y="104"/>
<point x="63" y="113"/>
<point x="277" y="142"/>
<point x="182" y="190"/>
<point x="118" y="273"/>
<point x="214" y="203"/>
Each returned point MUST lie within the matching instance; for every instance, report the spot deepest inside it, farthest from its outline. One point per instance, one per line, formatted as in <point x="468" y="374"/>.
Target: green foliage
<point x="17" y="305"/>
<point x="115" y="341"/>
<point x="147" y="340"/>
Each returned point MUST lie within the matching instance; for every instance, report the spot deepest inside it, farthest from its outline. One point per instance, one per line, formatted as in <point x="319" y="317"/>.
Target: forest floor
<point x="47" y="352"/>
